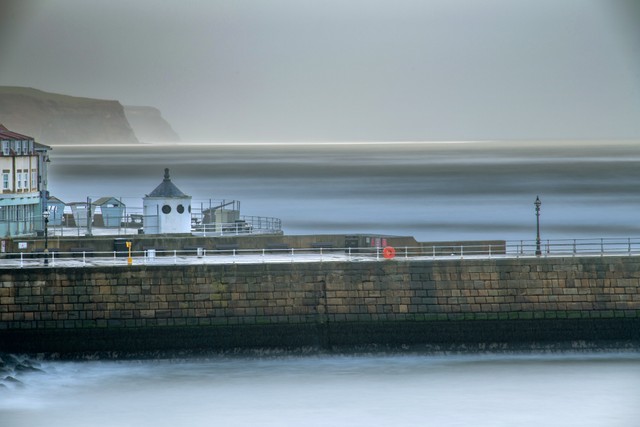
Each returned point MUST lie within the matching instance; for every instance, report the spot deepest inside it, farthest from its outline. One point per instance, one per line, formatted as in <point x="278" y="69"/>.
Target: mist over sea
<point x="480" y="390"/>
<point x="433" y="191"/>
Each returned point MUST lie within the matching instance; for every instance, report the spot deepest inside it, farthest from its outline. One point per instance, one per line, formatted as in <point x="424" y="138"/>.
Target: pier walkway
<point x="512" y="250"/>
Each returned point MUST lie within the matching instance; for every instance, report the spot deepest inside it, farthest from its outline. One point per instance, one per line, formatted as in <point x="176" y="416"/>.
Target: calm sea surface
<point x="429" y="190"/>
<point x="566" y="389"/>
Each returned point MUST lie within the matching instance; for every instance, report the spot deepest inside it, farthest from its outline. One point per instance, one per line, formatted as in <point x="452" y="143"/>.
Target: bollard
<point x="129" y="259"/>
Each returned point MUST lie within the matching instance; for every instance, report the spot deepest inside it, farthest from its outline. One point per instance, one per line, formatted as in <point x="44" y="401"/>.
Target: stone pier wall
<point x="141" y="308"/>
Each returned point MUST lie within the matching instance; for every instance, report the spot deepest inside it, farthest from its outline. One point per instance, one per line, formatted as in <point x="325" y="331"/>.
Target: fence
<point x="208" y="218"/>
<point x="324" y="252"/>
<point x="132" y="224"/>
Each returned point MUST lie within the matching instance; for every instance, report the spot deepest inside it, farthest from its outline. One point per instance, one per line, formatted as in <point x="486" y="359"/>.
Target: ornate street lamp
<point x="45" y="215"/>
<point x="537" y="204"/>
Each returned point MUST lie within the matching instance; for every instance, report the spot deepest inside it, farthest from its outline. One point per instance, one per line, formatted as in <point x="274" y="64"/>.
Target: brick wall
<point x="37" y="303"/>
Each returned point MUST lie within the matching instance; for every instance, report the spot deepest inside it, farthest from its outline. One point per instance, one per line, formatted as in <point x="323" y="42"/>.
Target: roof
<point x="167" y="189"/>
<point x="53" y="199"/>
<point x="7" y="134"/>
<point x="15" y="136"/>
<point x="108" y="200"/>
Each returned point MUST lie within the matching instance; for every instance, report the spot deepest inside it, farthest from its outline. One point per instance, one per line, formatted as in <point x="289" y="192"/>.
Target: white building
<point x="23" y="164"/>
<point x="166" y="209"/>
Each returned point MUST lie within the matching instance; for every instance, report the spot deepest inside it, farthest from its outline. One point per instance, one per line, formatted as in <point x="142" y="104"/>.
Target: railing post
<point x="21" y="260"/>
<point x="349" y="252"/>
<point x="175" y="256"/>
<point x="433" y="249"/>
<point x="601" y="246"/>
<point x="406" y="253"/>
<point x="489" y="250"/>
<point x="53" y="259"/>
<point x="84" y="259"/>
<point x="461" y="252"/>
<point x="629" y="245"/>
<point x="574" y="247"/>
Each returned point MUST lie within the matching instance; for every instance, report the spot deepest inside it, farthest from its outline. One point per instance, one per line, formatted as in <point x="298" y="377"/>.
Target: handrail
<point x="510" y="249"/>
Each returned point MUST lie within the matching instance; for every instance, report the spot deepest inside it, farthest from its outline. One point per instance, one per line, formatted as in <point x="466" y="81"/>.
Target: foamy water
<point x="379" y="390"/>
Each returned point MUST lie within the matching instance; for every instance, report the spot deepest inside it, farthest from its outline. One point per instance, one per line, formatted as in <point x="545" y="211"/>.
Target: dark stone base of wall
<point x="329" y="336"/>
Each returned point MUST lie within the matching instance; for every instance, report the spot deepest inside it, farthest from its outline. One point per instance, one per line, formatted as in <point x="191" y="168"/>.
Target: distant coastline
<point x="55" y="119"/>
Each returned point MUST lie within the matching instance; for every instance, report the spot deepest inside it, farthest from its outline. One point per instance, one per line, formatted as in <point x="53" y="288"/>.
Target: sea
<point x="563" y="389"/>
<point x="432" y="191"/>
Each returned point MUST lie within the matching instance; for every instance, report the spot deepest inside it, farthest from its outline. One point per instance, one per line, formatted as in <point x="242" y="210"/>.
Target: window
<point x="34" y="180"/>
<point x="5" y="148"/>
<point x="180" y="209"/>
<point x="18" y="145"/>
<point x="5" y="179"/>
<point x="25" y="180"/>
<point x="19" y="179"/>
<point x="166" y="209"/>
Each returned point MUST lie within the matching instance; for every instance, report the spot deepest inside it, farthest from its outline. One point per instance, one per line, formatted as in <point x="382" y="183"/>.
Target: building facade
<point x="23" y="168"/>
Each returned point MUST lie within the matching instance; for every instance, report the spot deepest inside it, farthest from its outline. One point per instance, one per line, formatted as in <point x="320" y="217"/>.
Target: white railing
<point x="245" y="225"/>
<point x="323" y="253"/>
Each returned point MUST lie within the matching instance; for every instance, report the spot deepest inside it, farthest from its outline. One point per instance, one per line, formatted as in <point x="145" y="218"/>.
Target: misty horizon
<point x="341" y="71"/>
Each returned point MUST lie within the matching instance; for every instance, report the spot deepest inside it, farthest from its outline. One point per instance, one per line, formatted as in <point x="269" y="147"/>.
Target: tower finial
<point x="166" y="174"/>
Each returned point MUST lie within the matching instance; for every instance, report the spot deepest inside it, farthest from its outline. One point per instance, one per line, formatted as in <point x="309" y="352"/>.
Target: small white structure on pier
<point x="166" y="209"/>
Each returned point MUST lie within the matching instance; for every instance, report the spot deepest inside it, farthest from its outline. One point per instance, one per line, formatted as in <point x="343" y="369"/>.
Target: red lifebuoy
<point x="388" y="252"/>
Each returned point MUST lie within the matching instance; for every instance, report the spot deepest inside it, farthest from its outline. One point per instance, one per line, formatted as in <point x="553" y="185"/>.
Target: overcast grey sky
<point x="302" y="70"/>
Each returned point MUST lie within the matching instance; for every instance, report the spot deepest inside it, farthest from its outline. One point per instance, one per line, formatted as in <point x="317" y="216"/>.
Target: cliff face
<point x="149" y="125"/>
<point x="60" y="119"/>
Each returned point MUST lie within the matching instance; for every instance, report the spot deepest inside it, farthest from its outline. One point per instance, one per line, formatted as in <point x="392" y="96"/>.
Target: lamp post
<point x="537" y="204"/>
<point x="45" y="215"/>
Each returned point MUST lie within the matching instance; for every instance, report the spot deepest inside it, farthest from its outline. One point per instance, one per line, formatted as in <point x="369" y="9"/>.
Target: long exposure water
<point x="561" y="389"/>
<point x="433" y="191"/>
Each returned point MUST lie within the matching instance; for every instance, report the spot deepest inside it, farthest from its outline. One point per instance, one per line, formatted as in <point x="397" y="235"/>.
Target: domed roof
<point x="167" y="189"/>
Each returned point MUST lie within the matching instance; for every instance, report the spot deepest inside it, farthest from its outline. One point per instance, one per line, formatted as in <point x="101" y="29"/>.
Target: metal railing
<point x="245" y="225"/>
<point x="325" y="253"/>
<point x="575" y="247"/>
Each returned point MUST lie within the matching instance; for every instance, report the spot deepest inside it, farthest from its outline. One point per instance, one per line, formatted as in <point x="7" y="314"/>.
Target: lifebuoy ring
<point x="388" y="252"/>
